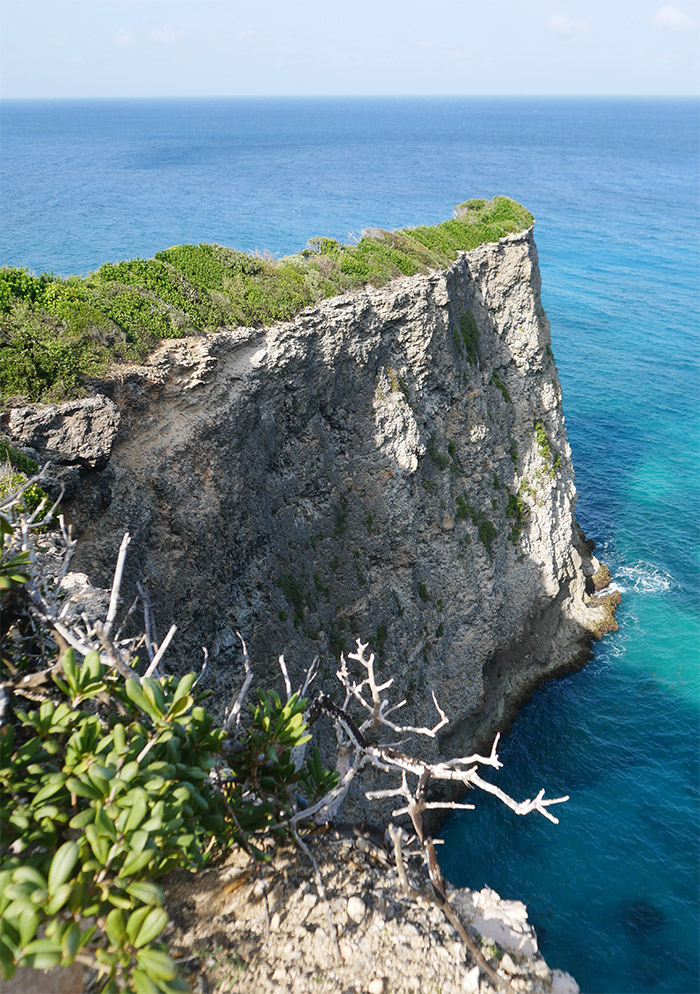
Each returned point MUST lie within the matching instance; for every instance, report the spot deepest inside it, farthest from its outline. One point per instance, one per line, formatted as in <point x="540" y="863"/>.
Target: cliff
<point x="391" y="464"/>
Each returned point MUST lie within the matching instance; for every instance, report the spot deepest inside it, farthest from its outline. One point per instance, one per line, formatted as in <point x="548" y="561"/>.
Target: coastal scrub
<point x="56" y="334"/>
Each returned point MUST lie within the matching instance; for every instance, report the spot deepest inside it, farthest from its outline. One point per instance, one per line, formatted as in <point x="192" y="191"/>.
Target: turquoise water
<point x="613" y="889"/>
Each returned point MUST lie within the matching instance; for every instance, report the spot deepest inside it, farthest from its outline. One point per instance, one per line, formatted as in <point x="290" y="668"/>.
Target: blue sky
<point x="160" y="48"/>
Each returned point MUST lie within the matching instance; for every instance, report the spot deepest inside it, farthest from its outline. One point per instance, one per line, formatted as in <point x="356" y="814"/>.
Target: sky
<point x="197" y="48"/>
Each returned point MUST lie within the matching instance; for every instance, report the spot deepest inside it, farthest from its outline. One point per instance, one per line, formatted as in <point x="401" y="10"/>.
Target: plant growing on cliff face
<point x="467" y="334"/>
<point x="552" y="460"/>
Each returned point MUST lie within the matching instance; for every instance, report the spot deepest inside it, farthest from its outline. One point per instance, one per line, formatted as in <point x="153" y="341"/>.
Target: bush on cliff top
<point x="56" y="332"/>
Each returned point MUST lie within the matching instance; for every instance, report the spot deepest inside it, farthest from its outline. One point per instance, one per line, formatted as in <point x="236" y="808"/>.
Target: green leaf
<point x="70" y="943"/>
<point x="136" y="919"/>
<point x="139" y="810"/>
<point x="135" y="694"/>
<point x="82" y="789"/>
<point x="184" y="687"/>
<point x="98" y="843"/>
<point x="42" y="954"/>
<point x="28" y="874"/>
<point x="115" y="927"/>
<point x="129" y="771"/>
<point x="179" y="707"/>
<point x="62" y="865"/>
<point x="156" y="963"/>
<point x="153" y="924"/>
<point x="135" y="862"/>
<point x="119" y="737"/>
<point x="142" y="983"/>
<point x="27" y="924"/>
<point x="82" y="818"/>
<point x="58" y="898"/>
<point x="145" y="892"/>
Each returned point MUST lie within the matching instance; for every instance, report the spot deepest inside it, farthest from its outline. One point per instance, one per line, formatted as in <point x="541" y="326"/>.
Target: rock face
<point x="75" y="433"/>
<point x="392" y="464"/>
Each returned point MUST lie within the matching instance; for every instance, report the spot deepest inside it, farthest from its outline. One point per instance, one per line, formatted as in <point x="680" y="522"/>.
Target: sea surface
<point x="614" y="185"/>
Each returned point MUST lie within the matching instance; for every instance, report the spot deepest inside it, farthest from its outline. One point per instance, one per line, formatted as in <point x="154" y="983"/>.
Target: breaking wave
<point x="643" y="578"/>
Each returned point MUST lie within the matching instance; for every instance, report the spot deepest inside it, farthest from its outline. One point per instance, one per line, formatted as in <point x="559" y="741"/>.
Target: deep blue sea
<point x="614" y="184"/>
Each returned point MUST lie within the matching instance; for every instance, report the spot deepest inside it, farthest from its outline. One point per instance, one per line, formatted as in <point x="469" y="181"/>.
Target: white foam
<point x="643" y="578"/>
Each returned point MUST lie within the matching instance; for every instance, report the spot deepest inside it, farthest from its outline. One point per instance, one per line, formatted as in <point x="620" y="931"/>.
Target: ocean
<point x="614" y="185"/>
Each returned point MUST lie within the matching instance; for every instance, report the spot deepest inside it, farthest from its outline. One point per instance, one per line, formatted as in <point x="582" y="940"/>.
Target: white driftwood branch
<point x="155" y="662"/>
<point x="235" y="713"/>
<point x="116" y="583"/>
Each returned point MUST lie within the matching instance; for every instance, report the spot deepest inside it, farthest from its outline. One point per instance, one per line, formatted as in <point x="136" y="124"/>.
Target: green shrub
<point x="552" y="459"/>
<point x="108" y="788"/>
<point x="517" y="510"/>
<point x="439" y="458"/>
<point x="108" y="782"/>
<point x="8" y="453"/>
<point x="54" y="333"/>
<point x="486" y="528"/>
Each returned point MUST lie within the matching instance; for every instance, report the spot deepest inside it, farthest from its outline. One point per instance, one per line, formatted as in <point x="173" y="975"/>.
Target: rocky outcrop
<point x="75" y="433"/>
<point x="391" y="464"/>
<point x="249" y="927"/>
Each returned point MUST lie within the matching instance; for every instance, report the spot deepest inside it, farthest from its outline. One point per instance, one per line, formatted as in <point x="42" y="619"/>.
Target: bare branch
<point x="285" y="676"/>
<point x="153" y="667"/>
<point x="235" y="713"/>
<point x="116" y="583"/>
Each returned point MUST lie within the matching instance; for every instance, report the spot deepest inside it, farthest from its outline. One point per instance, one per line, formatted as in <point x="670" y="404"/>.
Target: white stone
<point x="376" y="986"/>
<point x="563" y="983"/>
<point x="470" y="981"/>
<point x="356" y="909"/>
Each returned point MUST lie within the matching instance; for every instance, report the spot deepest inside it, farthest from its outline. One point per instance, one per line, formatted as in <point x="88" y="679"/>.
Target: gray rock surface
<point x="353" y="473"/>
<point x="77" y="432"/>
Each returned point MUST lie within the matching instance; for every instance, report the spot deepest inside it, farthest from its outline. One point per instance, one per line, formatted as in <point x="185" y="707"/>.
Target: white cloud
<point x="165" y="35"/>
<point x="123" y="38"/>
<point x="248" y="35"/>
<point x="672" y="18"/>
<point x="562" y="24"/>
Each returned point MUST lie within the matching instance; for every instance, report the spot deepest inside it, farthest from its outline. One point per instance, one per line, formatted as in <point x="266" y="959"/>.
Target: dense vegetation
<point x="55" y="333"/>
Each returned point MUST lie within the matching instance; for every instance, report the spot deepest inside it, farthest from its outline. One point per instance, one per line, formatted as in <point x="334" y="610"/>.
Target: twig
<point x="116" y="584"/>
<point x="235" y="712"/>
<point x="161" y="651"/>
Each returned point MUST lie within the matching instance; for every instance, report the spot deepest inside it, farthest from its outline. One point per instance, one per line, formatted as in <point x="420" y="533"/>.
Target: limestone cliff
<point x="391" y="464"/>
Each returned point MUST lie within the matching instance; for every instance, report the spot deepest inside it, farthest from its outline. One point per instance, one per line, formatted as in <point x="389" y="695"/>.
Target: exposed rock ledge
<point x="251" y="928"/>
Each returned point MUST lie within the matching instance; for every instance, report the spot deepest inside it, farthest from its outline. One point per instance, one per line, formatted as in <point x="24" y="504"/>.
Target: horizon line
<point x="365" y="96"/>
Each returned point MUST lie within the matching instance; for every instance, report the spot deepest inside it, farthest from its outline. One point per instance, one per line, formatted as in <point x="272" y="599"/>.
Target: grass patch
<point x="485" y="527"/>
<point x="501" y="386"/>
<point x="467" y="335"/>
<point x="56" y="333"/>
